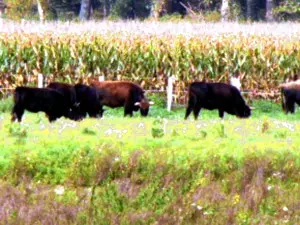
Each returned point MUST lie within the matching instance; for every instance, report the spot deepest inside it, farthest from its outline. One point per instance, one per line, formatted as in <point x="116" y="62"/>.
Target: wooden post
<point x="101" y="78"/>
<point x="40" y="80"/>
<point x="170" y="92"/>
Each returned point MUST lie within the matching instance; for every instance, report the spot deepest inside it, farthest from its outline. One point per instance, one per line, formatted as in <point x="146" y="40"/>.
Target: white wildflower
<point x="285" y="209"/>
<point x="199" y="207"/>
<point x="193" y="204"/>
<point x="141" y="125"/>
<point x="59" y="190"/>
<point x="269" y="187"/>
<point x="73" y="125"/>
<point x="109" y="131"/>
<point x="89" y="191"/>
<point x="117" y="159"/>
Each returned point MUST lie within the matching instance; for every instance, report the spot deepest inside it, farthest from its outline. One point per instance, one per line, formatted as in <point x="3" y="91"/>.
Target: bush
<point x="6" y="105"/>
<point x="127" y="9"/>
<point x="288" y="10"/>
<point x="213" y="16"/>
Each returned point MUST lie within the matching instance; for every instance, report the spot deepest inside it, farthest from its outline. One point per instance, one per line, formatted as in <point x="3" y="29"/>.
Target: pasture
<point x="156" y="169"/>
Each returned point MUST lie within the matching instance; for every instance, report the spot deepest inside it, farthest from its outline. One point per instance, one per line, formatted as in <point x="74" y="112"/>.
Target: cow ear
<point x="151" y="103"/>
<point x="137" y="104"/>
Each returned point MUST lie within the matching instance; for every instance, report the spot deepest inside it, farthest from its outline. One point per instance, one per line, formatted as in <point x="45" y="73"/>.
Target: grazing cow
<point x="69" y="93"/>
<point x="124" y="94"/>
<point x="35" y="100"/>
<point x="89" y="99"/>
<point x="224" y="97"/>
<point x="290" y="94"/>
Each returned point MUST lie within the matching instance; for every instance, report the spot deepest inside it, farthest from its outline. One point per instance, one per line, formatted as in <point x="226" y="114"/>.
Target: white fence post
<point x="235" y="81"/>
<point x="170" y="92"/>
<point x="101" y="78"/>
<point x="40" y="80"/>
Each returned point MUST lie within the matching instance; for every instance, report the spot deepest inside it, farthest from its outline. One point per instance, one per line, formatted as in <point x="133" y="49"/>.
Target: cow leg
<point x="283" y="104"/>
<point x="51" y="118"/>
<point x="17" y="113"/>
<point x="290" y="105"/>
<point x="188" y="111"/>
<point x="128" y="110"/>
<point x="101" y="111"/>
<point x="190" y="107"/>
<point x="93" y="114"/>
<point x="221" y="113"/>
<point x="196" y="111"/>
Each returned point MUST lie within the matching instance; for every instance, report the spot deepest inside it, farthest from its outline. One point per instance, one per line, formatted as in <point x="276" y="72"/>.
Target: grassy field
<point x="155" y="170"/>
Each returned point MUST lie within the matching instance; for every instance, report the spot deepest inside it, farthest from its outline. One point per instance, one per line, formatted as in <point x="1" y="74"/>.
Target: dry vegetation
<point x="149" y="52"/>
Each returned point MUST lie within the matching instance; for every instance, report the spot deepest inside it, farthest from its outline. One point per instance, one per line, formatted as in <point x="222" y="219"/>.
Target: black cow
<point x="290" y="95"/>
<point x="35" y="100"/>
<point x="224" y="97"/>
<point x="69" y="93"/>
<point x="123" y="94"/>
<point x="89" y="99"/>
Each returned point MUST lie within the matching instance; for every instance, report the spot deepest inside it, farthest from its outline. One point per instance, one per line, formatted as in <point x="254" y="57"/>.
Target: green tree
<point x="287" y="10"/>
<point x="131" y="9"/>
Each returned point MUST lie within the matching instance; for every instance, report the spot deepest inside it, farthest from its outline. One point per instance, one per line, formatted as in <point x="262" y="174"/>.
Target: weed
<point x="157" y="128"/>
<point x="89" y="131"/>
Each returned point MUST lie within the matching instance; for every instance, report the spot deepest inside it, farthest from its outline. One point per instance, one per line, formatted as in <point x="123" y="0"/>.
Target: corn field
<point x="148" y="52"/>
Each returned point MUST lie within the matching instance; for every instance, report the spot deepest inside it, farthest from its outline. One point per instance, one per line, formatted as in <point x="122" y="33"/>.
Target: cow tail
<point x="283" y="100"/>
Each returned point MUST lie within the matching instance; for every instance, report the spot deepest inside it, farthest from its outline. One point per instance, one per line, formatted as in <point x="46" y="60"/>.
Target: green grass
<point x="156" y="169"/>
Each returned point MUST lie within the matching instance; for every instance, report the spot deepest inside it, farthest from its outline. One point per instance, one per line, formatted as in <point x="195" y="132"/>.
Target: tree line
<point x="141" y="9"/>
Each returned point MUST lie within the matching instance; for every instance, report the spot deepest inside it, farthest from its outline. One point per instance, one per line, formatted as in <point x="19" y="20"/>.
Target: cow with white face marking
<point x="123" y="94"/>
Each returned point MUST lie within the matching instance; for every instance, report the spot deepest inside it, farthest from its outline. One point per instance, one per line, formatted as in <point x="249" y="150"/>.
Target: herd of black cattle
<point x="77" y="101"/>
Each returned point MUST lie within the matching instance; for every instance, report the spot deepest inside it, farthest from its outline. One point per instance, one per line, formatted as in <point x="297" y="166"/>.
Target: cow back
<point x="67" y="90"/>
<point x="40" y="99"/>
<point x="116" y="93"/>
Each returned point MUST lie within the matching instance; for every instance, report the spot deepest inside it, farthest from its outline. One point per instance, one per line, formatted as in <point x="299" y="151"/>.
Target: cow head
<point x="74" y="112"/>
<point x="243" y="111"/>
<point x="144" y="105"/>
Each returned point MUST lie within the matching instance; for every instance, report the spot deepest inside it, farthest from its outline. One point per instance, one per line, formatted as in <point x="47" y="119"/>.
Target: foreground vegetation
<point x="158" y="169"/>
